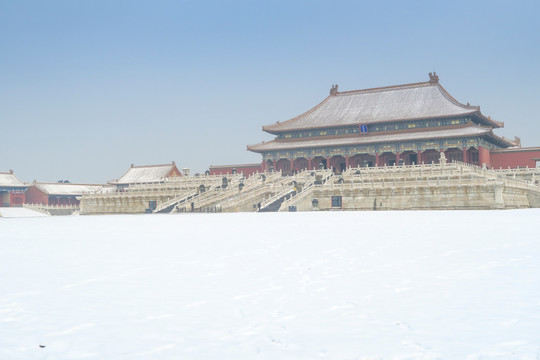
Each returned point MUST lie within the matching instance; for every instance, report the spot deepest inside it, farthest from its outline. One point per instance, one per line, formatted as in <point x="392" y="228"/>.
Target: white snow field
<point x="329" y="285"/>
<point x="19" y="212"/>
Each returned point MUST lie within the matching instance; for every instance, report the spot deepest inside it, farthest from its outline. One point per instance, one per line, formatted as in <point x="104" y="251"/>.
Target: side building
<point x="146" y="174"/>
<point x="141" y="189"/>
<point x="12" y="190"/>
<point x="394" y="125"/>
<point x="58" y="198"/>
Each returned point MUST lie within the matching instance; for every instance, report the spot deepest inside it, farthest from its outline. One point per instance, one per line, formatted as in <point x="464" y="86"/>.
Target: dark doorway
<point x="337" y="202"/>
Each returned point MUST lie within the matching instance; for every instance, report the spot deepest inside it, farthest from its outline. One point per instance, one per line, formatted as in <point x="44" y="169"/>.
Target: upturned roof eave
<point x="502" y="141"/>
<point x="252" y="148"/>
<point x="488" y="120"/>
<point x="272" y="128"/>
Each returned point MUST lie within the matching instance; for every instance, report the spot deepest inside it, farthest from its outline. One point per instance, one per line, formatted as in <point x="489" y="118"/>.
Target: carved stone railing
<point x="241" y="190"/>
<point x="46" y="209"/>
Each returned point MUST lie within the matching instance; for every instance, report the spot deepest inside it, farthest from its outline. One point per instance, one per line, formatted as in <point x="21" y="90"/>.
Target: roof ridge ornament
<point x="433" y="78"/>
<point x="333" y="90"/>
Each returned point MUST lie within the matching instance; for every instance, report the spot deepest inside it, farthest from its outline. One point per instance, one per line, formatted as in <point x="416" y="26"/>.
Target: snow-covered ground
<point x="334" y="285"/>
<point x="19" y="212"/>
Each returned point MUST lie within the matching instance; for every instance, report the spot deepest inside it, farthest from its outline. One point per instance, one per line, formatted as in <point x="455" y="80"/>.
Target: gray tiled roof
<point x="145" y="174"/>
<point x="413" y="101"/>
<point x="10" y="180"/>
<point x="368" y="139"/>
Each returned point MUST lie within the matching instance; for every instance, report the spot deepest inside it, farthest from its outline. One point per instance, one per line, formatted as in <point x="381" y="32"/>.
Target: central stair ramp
<point x="315" y="179"/>
<point x="274" y="203"/>
<point x="289" y="189"/>
<point x="253" y="193"/>
<point x="189" y="195"/>
<point x="168" y="206"/>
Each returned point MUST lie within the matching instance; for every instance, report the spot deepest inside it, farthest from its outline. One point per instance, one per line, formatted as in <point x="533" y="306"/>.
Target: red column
<point x="275" y="165"/>
<point x="465" y="156"/>
<point x="292" y="165"/>
<point x="263" y="164"/>
<point x="328" y="162"/>
<point x="346" y="162"/>
<point x="397" y="158"/>
<point x="309" y="163"/>
<point x="484" y="156"/>
<point x="377" y="163"/>
<point x="419" y="157"/>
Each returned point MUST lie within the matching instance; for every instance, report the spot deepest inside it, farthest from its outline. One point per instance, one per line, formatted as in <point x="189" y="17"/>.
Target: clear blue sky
<point x="89" y="87"/>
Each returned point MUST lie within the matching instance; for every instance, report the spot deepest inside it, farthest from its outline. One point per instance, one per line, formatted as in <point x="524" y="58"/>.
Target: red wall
<point x="16" y="198"/>
<point x="514" y="158"/>
<point x="36" y="196"/>
<point x="246" y="170"/>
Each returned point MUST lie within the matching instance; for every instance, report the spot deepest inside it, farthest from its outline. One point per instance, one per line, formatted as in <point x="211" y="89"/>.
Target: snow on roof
<point x="392" y="103"/>
<point x="67" y="188"/>
<point x="146" y="174"/>
<point x="10" y="180"/>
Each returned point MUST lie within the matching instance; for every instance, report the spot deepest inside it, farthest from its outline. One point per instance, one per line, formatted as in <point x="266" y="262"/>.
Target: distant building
<point x="58" y="194"/>
<point x="402" y="125"/>
<point x="147" y="174"/>
<point x="246" y="169"/>
<point x="12" y="190"/>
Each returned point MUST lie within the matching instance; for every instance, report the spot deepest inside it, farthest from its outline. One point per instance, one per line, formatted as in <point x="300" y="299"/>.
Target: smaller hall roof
<point x="8" y="179"/>
<point x="67" y="189"/>
<point x="422" y="100"/>
<point x="147" y="174"/>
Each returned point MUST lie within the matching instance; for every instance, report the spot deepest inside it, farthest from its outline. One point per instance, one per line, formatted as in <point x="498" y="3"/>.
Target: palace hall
<point x="394" y="125"/>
